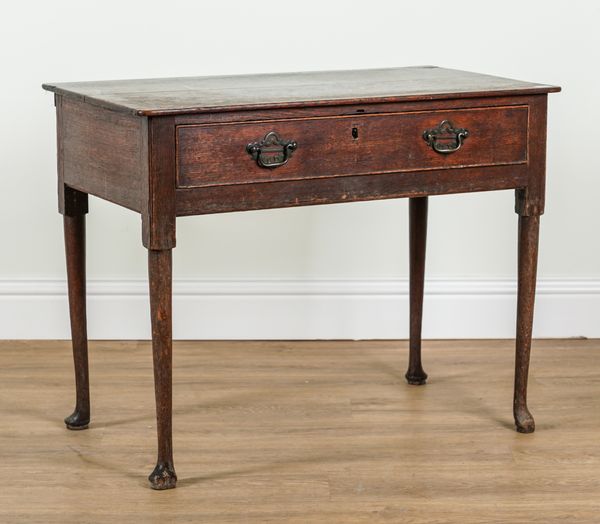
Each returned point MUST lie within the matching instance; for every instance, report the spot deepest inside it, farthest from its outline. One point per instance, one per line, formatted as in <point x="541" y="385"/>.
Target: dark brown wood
<point x="158" y="211"/>
<point x="74" y="229"/>
<point x="350" y="145"/>
<point x="529" y="204"/>
<point x="70" y="201"/>
<point x="161" y="96"/>
<point x="160" y="277"/>
<point x="417" y="240"/>
<point x="292" y="193"/>
<point x="313" y="111"/>
<point x="176" y="147"/>
<point x="530" y="200"/>
<point x="103" y="153"/>
<point x="528" y="252"/>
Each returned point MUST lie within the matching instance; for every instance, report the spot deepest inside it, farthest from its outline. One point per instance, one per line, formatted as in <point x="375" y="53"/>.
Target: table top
<point x="169" y="96"/>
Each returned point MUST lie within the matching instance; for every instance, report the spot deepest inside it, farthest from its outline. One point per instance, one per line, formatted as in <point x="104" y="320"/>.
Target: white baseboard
<point x="298" y="309"/>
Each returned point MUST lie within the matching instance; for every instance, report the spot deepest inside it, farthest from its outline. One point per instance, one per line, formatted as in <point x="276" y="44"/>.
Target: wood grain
<point x="71" y="202"/>
<point x="529" y="231"/>
<point x="103" y="153"/>
<point x="325" y="432"/>
<point x="530" y="200"/>
<point x="162" y="96"/>
<point x="216" y="154"/>
<point x="75" y="249"/>
<point x="158" y="188"/>
<point x="417" y="241"/>
<point x="160" y="277"/>
<point x="293" y="193"/>
<point x="118" y="140"/>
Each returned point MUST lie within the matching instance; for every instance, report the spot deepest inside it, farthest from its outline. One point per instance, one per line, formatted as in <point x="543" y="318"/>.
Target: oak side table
<point x="192" y="146"/>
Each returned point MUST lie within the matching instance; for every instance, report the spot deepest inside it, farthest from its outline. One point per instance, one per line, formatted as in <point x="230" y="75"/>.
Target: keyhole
<point x="355" y="133"/>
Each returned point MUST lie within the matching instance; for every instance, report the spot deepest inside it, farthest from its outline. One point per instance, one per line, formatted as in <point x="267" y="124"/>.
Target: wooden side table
<point x="192" y="146"/>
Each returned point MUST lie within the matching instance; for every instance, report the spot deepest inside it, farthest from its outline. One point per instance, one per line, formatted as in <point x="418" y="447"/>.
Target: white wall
<point x="471" y="236"/>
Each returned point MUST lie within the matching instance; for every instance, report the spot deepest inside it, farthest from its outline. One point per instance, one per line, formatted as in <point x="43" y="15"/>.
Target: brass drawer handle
<point x="271" y="151"/>
<point x="445" y="138"/>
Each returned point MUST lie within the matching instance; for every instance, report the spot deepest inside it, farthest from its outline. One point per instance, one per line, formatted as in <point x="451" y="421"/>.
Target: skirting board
<point x="300" y="309"/>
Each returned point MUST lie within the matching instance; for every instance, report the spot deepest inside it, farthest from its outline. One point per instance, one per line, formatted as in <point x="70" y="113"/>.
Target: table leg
<point x="528" y="252"/>
<point x="160" y="276"/>
<point x="418" y="238"/>
<point x="74" y="229"/>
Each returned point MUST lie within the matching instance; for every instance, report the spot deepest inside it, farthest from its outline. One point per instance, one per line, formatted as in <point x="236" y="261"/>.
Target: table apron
<point x="291" y="193"/>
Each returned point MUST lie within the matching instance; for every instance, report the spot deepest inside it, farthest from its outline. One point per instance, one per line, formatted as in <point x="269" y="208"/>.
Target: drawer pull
<point x="445" y="138"/>
<point x="271" y="151"/>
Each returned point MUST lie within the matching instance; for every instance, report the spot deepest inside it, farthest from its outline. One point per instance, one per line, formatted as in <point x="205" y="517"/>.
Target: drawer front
<point x="323" y="147"/>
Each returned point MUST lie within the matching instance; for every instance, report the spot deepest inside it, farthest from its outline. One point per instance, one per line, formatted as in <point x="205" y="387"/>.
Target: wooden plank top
<point x="169" y="96"/>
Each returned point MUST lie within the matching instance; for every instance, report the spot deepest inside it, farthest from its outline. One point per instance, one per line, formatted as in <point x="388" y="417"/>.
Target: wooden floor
<point x="304" y="432"/>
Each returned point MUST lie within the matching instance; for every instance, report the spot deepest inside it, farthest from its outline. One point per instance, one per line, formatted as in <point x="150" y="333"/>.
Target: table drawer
<point x="322" y="147"/>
